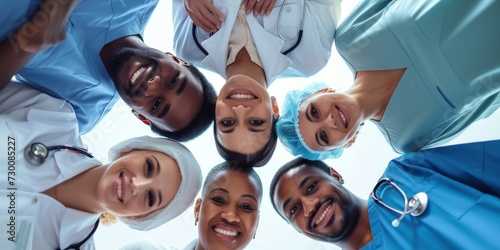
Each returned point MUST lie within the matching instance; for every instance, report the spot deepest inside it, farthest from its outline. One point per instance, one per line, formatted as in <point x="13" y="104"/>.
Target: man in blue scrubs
<point x="461" y="183"/>
<point x="102" y="56"/>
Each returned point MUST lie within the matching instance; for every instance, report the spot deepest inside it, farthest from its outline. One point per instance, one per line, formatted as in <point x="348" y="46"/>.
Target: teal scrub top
<point x="450" y="50"/>
<point x="462" y="185"/>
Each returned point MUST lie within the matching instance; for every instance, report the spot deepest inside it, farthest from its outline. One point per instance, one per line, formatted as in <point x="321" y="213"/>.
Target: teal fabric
<point x="73" y="70"/>
<point x="462" y="185"/>
<point x="450" y="50"/>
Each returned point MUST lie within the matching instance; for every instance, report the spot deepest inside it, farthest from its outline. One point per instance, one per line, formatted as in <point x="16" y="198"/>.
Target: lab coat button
<point x="34" y="200"/>
<point x="288" y="9"/>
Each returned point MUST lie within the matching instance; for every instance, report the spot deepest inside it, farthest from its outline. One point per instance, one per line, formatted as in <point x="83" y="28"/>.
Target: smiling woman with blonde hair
<point x="59" y="196"/>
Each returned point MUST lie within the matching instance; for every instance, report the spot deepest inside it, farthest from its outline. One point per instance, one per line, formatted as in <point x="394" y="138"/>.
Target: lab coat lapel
<point x="269" y="47"/>
<point x="75" y="226"/>
<point x="217" y="54"/>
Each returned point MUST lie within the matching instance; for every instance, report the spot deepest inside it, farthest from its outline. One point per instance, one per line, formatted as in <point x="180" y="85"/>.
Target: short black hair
<point x="257" y="159"/>
<point x="203" y="118"/>
<point x="297" y="162"/>
<point x="226" y="166"/>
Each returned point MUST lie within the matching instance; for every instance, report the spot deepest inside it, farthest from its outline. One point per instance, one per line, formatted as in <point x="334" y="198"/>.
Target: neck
<point x="80" y="192"/>
<point x="109" y="49"/>
<point x="374" y="89"/>
<point x="362" y="233"/>
<point x="244" y="65"/>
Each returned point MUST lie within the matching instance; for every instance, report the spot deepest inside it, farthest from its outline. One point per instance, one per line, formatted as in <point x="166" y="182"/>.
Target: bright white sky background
<point x="361" y="165"/>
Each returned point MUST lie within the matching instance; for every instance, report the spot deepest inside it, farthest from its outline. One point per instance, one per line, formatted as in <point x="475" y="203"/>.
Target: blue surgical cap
<point x="287" y="126"/>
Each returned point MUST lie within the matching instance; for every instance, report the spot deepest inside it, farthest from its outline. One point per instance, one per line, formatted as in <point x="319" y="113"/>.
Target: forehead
<point x="236" y="182"/>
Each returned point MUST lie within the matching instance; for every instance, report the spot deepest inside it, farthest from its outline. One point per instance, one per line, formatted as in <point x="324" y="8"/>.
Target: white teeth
<point x="323" y="215"/>
<point x="242" y="96"/>
<point x="343" y="118"/>
<point x="225" y="232"/>
<point x="119" y="189"/>
<point x="136" y="75"/>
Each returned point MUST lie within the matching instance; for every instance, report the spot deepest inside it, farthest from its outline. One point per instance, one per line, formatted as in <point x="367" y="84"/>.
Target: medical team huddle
<point x="423" y="72"/>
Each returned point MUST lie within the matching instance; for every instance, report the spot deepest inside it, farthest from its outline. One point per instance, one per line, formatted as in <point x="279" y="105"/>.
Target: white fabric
<point x="321" y="18"/>
<point x="241" y="37"/>
<point x="188" y="188"/>
<point x="28" y="116"/>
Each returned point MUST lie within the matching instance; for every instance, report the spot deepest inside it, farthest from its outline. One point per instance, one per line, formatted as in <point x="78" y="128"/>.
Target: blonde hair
<point x="107" y="219"/>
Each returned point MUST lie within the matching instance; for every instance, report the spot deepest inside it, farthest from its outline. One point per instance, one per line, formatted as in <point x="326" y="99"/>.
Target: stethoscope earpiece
<point x="36" y="153"/>
<point x="416" y="206"/>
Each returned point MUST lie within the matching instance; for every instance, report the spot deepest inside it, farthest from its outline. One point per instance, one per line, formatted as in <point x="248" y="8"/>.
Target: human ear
<point x="352" y="140"/>
<point x="336" y="175"/>
<point x="197" y="207"/>
<point x="276" y="110"/>
<point x="142" y="118"/>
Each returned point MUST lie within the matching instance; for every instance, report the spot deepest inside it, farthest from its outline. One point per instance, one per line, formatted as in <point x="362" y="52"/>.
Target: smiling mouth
<point x="226" y="232"/>
<point x="119" y="188"/>
<point x="323" y="215"/>
<point x="242" y="97"/>
<point x="136" y="75"/>
<point x="342" y="116"/>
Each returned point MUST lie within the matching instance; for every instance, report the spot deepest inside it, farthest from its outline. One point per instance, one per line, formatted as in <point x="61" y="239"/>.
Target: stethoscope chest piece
<point x="415" y="206"/>
<point x="418" y="203"/>
<point x="36" y="153"/>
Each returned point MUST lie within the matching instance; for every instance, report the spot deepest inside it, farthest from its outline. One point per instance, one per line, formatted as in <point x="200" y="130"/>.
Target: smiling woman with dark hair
<point x="227" y="214"/>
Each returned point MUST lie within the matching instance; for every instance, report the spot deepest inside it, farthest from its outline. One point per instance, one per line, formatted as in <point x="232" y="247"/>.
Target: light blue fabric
<point x="450" y="50"/>
<point x="287" y="127"/>
<point x="73" y="70"/>
<point x="464" y="197"/>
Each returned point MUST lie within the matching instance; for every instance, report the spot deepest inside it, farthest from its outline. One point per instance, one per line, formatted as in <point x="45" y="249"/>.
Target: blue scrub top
<point x="464" y="199"/>
<point x="73" y="70"/>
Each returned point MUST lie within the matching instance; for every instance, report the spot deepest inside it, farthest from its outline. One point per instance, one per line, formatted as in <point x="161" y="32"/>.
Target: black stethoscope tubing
<point x="36" y="153"/>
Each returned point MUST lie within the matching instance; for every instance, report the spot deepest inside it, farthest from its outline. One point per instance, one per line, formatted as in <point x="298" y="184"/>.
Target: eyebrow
<point x="182" y="86"/>
<point x="307" y="116"/>
<point x="158" y="169"/>
<point x="250" y="196"/>
<point x="164" y="111"/>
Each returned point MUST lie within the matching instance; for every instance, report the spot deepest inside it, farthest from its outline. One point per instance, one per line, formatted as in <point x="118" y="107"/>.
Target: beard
<point x="350" y="217"/>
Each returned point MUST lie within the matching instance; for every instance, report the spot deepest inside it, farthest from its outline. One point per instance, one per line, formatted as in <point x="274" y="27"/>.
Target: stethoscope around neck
<point x="416" y="206"/>
<point x="37" y="152"/>
<point x="299" y="38"/>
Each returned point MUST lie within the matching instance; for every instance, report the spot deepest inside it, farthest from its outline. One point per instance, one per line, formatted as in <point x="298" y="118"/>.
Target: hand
<point x="47" y="27"/>
<point x="204" y="14"/>
<point x="262" y="7"/>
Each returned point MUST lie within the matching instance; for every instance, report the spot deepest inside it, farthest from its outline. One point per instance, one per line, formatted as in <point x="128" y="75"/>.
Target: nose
<point x="309" y="205"/>
<point x="331" y="122"/>
<point x="153" y="85"/>
<point x="230" y="215"/>
<point x="241" y="110"/>
<point x="137" y="185"/>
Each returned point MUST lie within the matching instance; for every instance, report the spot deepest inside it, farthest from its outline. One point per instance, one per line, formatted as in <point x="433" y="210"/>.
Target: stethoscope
<point x="416" y="206"/>
<point x="37" y="152"/>
<point x="299" y="38"/>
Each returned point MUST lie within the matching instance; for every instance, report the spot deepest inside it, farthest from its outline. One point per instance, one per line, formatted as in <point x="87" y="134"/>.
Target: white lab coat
<point x="312" y="54"/>
<point x="28" y="116"/>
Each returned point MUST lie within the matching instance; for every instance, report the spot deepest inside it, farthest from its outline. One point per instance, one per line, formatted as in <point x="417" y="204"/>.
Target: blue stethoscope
<point x="416" y="206"/>
<point x="36" y="153"/>
<point x="299" y="38"/>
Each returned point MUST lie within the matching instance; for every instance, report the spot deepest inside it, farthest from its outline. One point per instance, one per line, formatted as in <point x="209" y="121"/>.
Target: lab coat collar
<point x="75" y="226"/>
<point x="268" y="46"/>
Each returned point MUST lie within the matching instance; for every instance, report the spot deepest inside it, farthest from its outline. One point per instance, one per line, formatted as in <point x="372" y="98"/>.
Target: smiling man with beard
<point x="461" y="183"/>
<point x="101" y="58"/>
